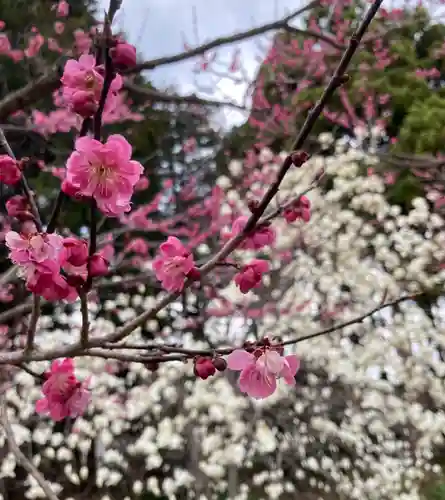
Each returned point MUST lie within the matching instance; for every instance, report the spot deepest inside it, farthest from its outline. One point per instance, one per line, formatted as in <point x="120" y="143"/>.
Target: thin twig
<point x="19" y="455"/>
<point x="85" y="322"/>
<point x="32" y="327"/>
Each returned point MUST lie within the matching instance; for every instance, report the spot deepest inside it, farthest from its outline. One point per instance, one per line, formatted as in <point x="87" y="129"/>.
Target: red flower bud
<point x="77" y="251"/>
<point x="204" y="367"/>
<point x="299" y="158"/>
<point x="98" y="266"/>
<point x="10" y="172"/>
<point x="253" y="205"/>
<point x="84" y="103"/>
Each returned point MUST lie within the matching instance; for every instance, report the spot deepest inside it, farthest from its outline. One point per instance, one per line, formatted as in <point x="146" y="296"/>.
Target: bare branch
<point x="157" y="96"/>
<point x="19" y="455"/>
<point x="34" y="91"/>
<point x="30" y="335"/>
<point x="224" y="40"/>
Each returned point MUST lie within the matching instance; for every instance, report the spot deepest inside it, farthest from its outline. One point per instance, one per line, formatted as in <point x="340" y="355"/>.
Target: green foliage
<point x="423" y="129"/>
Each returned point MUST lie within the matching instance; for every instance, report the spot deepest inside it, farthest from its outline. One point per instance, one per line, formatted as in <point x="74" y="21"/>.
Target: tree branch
<point x="157" y="96"/>
<point x="19" y="455"/>
<point x="49" y="82"/>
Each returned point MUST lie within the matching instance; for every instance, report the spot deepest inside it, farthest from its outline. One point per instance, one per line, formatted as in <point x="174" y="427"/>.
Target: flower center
<point x="174" y="266"/>
<point x="90" y="81"/>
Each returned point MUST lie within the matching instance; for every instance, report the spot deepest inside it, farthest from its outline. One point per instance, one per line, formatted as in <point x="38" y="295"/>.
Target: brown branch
<point x="85" y="323"/>
<point x="157" y="96"/>
<point x="180" y="354"/>
<point x="30" y="335"/>
<point x="30" y="93"/>
<point x="50" y="82"/>
<point x="20" y="456"/>
<point x="224" y="40"/>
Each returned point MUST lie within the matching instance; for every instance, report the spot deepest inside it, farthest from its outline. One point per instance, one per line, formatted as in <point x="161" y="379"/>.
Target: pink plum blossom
<point x="260" y="237"/>
<point x="64" y="395"/>
<point x="260" y="370"/>
<point x="35" y="248"/>
<point x="104" y="172"/>
<point x="250" y="275"/>
<point x="173" y="264"/>
<point x="82" y="84"/>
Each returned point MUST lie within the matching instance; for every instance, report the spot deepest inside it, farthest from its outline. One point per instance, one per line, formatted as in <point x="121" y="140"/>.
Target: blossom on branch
<point x="104" y="172"/>
<point x="260" y="370"/>
<point x="250" y="275"/>
<point x="82" y="84"/>
<point x="173" y="264"/>
<point x="64" y="395"/>
<point x="263" y="235"/>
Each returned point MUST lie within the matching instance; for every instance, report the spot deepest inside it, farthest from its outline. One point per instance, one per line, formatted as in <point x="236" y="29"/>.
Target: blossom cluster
<point x="53" y="267"/>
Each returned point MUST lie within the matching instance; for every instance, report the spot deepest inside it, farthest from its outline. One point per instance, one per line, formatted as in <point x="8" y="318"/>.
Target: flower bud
<point x="253" y="205"/>
<point x="17" y="205"/>
<point x="9" y="170"/>
<point x="83" y="102"/>
<point x="204" y="367"/>
<point x="299" y="158"/>
<point x="220" y="364"/>
<point x="98" y="266"/>
<point x="76" y="250"/>
<point x="123" y="55"/>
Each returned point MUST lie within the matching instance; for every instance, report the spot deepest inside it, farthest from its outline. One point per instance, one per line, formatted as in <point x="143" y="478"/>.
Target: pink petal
<point x="88" y="146"/>
<point x="273" y="362"/>
<point x="15" y="241"/>
<point x="119" y="144"/>
<point x="294" y="363"/>
<point x="87" y="61"/>
<point x="172" y="247"/>
<point x="239" y="359"/>
<point x="42" y="406"/>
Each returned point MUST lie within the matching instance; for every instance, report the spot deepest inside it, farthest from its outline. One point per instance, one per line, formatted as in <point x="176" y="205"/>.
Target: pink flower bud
<point x="83" y="102"/>
<point x="204" y="367"/>
<point x="9" y="170"/>
<point x="98" y="266"/>
<point x="76" y="251"/>
<point x="63" y="8"/>
<point x="123" y="55"/>
<point x="17" y="205"/>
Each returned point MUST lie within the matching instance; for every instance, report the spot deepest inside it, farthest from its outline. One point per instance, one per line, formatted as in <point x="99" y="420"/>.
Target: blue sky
<point x="159" y="27"/>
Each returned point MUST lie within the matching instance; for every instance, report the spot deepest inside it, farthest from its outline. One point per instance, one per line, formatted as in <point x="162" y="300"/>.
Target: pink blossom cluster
<point x="299" y="209"/>
<point x="63" y="394"/>
<point x="82" y="84"/>
<point x="52" y="266"/>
